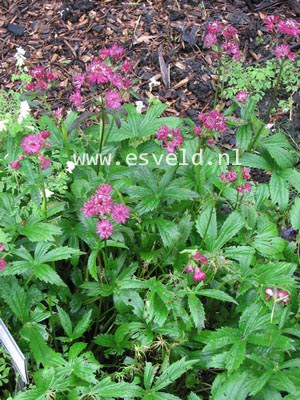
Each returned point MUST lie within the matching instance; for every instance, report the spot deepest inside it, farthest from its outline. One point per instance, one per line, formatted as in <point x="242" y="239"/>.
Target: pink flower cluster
<point x="40" y="79"/>
<point x="287" y="26"/>
<point x="101" y="72"/>
<point x="101" y="204"/>
<point x="3" y="263"/>
<point x="232" y="176"/>
<point x="33" y="144"/>
<point x="229" y="34"/>
<point x="277" y="295"/>
<point x="171" y="138"/>
<point x="195" y="269"/>
<point x="213" y="121"/>
<point x="242" y="96"/>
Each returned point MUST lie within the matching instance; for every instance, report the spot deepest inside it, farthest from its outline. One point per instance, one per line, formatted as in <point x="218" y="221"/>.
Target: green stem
<point x="218" y="82"/>
<point x="101" y="134"/>
<point x="268" y="113"/>
<point x="44" y="197"/>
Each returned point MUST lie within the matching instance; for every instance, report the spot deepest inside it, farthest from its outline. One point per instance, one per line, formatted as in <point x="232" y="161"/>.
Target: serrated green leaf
<point x="65" y="321"/>
<point x="82" y="325"/>
<point x="168" y="231"/>
<point x="235" y="356"/>
<point x="197" y="310"/>
<point x="217" y="294"/>
<point x="206" y="225"/>
<point x="295" y="214"/>
<point x="149" y="374"/>
<point x="279" y="191"/>
<point x="229" y="229"/>
<point x="47" y="274"/>
<point x="173" y="372"/>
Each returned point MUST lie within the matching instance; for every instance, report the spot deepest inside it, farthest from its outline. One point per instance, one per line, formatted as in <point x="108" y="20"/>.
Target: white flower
<point x="24" y="111"/>
<point x="3" y="126"/>
<point x="70" y="166"/>
<point x="20" y="57"/>
<point x="48" y="193"/>
<point x="153" y="82"/>
<point x="139" y="106"/>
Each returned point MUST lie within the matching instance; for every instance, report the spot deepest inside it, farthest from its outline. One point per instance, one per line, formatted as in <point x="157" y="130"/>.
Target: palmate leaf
<point x="279" y="149"/>
<point x="235" y="356"/>
<point x="15" y="297"/>
<point x="217" y="294"/>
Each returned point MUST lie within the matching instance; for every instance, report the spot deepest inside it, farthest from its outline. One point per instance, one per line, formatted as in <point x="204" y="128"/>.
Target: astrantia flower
<point x="210" y="39"/>
<point x="45" y="162"/>
<point x="116" y="51"/>
<point x="214" y="27"/>
<point x="271" y="21"/>
<point x="98" y="72"/>
<point x="32" y="144"/>
<point x="242" y="96"/>
<point x="126" y="66"/>
<point x="104" y="229"/>
<point x="38" y="72"/>
<point x="2" y="246"/>
<point x="284" y="51"/>
<point x="284" y="296"/>
<point x="230" y="31"/>
<point x="15" y="165"/>
<point x="199" y="275"/>
<point x="58" y="112"/>
<point x="45" y="134"/>
<point x="120" y="213"/>
<point x="113" y="99"/>
<point x="104" y="189"/>
<point x="289" y="27"/>
<point x="200" y="257"/>
<point x="24" y="111"/>
<point x="232" y="49"/>
<point x="230" y="176"/>
<point x="76" y="98"/>
<point x="269" y="292"/>
<point x="78" y="80"/>
<point x="246" y="174"/>
<point x="213" y="121"/>
<point x="244" y="188"/>
<point x="139" y="106"/>
<point x="197" y="130"/>
<point x="189" y="269"/>
<point x="171" y="138"/>
<point x="3" y="263"/>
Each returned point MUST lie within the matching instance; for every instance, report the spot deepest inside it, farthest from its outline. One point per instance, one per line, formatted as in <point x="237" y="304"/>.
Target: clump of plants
<point x="137" y="259"/>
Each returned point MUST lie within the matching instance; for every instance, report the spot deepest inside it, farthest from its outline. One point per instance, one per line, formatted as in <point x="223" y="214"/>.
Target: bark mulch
<point x="158" y="36"/>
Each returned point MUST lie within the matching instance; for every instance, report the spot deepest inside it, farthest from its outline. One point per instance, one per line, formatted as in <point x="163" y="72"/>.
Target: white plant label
<point x="13" y="350"/>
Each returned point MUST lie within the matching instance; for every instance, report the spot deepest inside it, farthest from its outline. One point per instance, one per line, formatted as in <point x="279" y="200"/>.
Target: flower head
<point x="32" y="144"/>
<point x="15" y="165"/>
<point x="242" y="96"/>
<point x="199" y="275"/>
<point x="113" y="99"/>
<point x="289" y="27"/>
<point x="104" y="229"/>
<point x="120" y="213"/>
<point x="283" y="51"/>
<point x="213" y="120"/>
<point x="210" y="39"/>
<point x="76" y="98"/>
<point x="271" y="21"/>
<point x="3" y="263"/>
<point x="230" y="31"/>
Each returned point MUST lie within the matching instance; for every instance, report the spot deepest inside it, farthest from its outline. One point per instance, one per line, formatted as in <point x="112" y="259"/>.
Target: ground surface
<point x="65" y="36"/>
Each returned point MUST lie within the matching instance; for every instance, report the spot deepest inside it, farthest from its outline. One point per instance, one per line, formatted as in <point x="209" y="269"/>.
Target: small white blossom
<point x="139" y="106"/>
<point x="24" y="111"/>
<point x="20" y="57"/>
<point x="153" y="82"/>
<point x="3" y="126"/>
<point x="48" y="193"/>
<point x="70" y="166"/>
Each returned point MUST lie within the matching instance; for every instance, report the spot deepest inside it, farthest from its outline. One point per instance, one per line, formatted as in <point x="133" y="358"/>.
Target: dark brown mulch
<point x="66" y="35"/>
